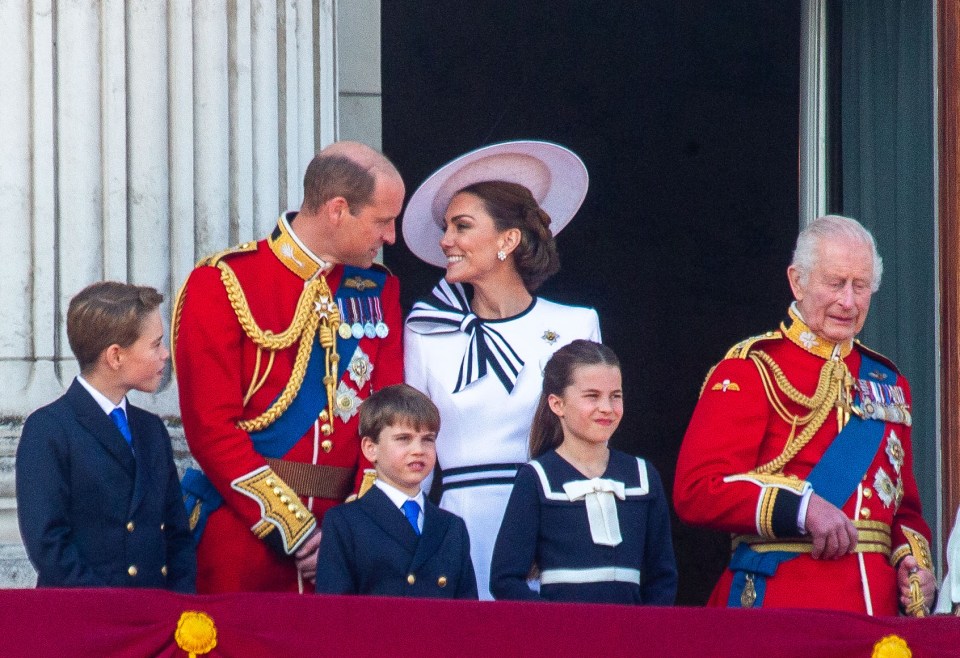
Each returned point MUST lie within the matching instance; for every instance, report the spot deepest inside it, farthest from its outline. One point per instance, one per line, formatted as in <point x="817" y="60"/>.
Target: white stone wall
<point x="140" y="135"/>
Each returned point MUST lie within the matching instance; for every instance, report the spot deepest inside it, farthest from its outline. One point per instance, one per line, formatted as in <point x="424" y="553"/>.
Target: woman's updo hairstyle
<point x="546" y="432"/>
<point x="512" y="206"/>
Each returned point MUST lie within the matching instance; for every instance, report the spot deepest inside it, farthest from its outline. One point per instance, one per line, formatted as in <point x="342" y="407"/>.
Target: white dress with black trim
<point x="485" y="377"/>
<point x="597" y="540"/>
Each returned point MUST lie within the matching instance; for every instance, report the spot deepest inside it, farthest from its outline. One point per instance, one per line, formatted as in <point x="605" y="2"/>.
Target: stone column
<point x="138" y="137"/>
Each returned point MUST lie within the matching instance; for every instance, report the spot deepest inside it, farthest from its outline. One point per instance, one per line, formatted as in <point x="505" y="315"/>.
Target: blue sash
<point x="277" y="439"/>
<point x="834" y="478"/>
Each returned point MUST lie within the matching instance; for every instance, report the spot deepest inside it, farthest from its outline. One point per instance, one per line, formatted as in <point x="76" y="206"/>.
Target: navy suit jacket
<point x="92" y="512"/>
<point x="369" y="547"/>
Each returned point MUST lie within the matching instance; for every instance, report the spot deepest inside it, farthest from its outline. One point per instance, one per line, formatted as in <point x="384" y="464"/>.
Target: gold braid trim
<point x="267" y="339"/>
<point x="833" y="392"/>
<point x="178" y="302"/>
<point x="316" y="312"/>
<point x="290" y="391"/>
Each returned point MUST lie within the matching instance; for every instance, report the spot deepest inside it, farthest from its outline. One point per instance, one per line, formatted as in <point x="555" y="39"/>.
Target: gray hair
<point x="833" y="227"/>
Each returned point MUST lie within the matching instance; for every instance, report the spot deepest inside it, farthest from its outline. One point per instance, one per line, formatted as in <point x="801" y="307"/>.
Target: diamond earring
<point x="501" y="255"/>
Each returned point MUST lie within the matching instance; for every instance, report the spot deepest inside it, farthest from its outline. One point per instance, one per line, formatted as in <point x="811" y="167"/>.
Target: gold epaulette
<point x="742" y="349"/>
<point x="213" y="259"/>
<point x="878" y="357"/>
<point x="178" y="301"/>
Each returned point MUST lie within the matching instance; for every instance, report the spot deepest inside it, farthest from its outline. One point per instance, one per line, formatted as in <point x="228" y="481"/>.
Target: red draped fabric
<point x="143" y="623"/>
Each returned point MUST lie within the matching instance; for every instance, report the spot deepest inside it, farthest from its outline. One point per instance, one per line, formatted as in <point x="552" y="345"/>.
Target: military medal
<point x="356" y="328"/>
<point x="381" y="328"/>
<point x="368" y="329"/>
<point x="344" y="329"/>
<point x="360" y="368"/>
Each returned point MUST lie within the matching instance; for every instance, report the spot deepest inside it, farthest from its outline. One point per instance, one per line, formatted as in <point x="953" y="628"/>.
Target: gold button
<point x="323" y="415"/>
<point x="270" y="482"/>
<point x="326" y="429"/>
<point x="865" y="513"/>
<point x="130" y="526"/>
<point x="291" y="507"/>
<point x="163" y="571"/>
<point x="867" y="492"/>
<point x="327" y="445"/>
<point x="277" y="490"/>
<point x="411" y="579"/>
<point x="442" y="581"/>
<point x="132" y="570"/>
<point x="299" y="515"/>
<point x="284" y="499"/>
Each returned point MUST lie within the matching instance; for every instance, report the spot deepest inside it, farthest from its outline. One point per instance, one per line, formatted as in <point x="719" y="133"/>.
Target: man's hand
<point x="306" y="557"/>
<point x="928" y="584"/>
<point x="833" y="534"/>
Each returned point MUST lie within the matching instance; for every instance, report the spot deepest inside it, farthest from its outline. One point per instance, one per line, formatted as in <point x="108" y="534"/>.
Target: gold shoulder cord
<point x="316" y="312"/>
<point x="833" y="392"/>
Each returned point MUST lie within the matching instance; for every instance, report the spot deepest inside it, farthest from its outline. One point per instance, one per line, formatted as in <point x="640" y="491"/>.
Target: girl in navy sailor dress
<point x="592" y="520"/>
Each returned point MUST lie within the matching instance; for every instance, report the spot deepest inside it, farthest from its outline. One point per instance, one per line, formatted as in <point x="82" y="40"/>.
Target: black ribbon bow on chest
<point x="449" y="311"/>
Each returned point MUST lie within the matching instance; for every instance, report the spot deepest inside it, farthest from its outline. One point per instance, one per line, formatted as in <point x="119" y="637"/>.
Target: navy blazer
<point x="369" y="547"/>
<point x="92" y="512"/>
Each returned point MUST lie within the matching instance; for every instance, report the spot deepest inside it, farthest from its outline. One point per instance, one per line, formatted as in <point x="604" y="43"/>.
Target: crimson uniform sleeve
<point x="908" y="515"/>
<point x="208" y="354"/>
<point x="722" y="444"/>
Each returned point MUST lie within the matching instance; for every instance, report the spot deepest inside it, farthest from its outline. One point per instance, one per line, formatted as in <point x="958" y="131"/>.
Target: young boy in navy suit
<point x="98" y="498"/>
<point x="393" y="541"/>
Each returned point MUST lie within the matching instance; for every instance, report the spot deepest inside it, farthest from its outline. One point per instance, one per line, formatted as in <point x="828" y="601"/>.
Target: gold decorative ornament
<point x="749" y="595"/>
<point x="369" y="477"/>
<point x="833" y="392"/>
<point x="359" y="283"/>
<point x="891" y="646"/>
<point x="317" y="315"/>
<point x="196" y="633"/>
<point x="279" y="505"/>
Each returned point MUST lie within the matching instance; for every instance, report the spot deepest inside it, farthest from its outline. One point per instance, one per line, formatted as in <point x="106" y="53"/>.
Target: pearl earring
<point x="501" y="255"/>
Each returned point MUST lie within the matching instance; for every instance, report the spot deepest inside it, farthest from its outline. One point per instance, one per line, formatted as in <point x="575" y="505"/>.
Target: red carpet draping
<point x="142" y="623"/>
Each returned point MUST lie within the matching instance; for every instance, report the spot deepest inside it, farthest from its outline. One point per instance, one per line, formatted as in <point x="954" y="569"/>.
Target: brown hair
<point x="395" y="405"/>
<point x="107" y="313"/>
<point x="513" y="206"/>
<point x="332" y="175"/>
<point x="546" y="432"/>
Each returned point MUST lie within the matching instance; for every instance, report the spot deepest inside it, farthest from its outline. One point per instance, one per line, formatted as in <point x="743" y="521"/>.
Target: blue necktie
<point x="120" y="420"/>
<point x="412" y="511"/>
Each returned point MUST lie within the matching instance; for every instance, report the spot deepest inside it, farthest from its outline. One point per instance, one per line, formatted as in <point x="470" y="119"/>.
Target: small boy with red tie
<point x="98" y="498"/>
<point x="392" y="541"/>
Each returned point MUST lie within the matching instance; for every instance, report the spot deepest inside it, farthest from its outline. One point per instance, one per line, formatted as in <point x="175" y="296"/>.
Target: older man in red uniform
<point x="276" y="344"/>
<point x="800" y="447"/>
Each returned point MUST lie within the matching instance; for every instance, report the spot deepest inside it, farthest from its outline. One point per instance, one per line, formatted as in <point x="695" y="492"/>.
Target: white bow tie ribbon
<point x="449" y="311"/>
<point x="600" y="496"/>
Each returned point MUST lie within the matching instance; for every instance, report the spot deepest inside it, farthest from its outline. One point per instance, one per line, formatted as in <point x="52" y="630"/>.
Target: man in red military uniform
<point x="276" y="344"/>
<point x="800" y="447"/>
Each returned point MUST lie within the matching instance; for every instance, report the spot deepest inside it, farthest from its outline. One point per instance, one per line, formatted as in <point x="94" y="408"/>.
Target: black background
<point x="686" y="115"/>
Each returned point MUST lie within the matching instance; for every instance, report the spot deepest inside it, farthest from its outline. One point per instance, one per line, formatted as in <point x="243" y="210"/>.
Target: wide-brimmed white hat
<point x="555" y="176"/>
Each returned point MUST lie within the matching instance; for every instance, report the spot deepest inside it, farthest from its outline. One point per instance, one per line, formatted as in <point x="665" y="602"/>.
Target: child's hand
<point x="306" y="557"/>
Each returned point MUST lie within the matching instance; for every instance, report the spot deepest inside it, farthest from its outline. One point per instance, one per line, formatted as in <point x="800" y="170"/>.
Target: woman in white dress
<point x="478" y="345"/>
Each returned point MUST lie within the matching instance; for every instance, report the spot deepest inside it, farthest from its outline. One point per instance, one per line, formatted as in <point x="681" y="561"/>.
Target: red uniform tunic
<point x="216" y="362"/>
<point x="735" y="429"/>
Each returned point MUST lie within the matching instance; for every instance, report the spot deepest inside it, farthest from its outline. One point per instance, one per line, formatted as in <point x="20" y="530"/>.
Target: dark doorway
<point x="686" y="114"/>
